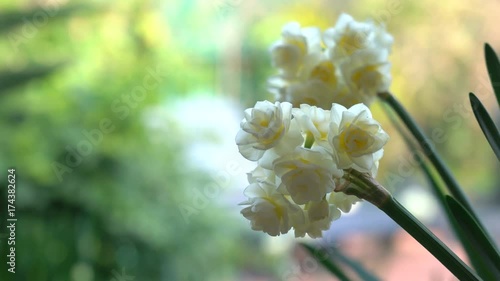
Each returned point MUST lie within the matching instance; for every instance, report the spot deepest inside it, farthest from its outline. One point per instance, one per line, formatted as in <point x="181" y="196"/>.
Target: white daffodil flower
<point x="306" y="174"/>
<point x="288" y="54"/>
<point x="313" y="121"/>
<point x="311" y="92"/>
<point x="347" y="64"/>
<point x="367" y="73"/>
<point x="360" y="50"/>
<point x="376" y="159"/>
<point x="313" y="225"/>
<point x="342" y="201"/>
<point x="318" y="210"/>
<point x="267" y="210"/>
<point x="317" y="82"/>
<point x="305" y="73"/>
<point x="262" y="128"/>
<point x="289" y="142"/>
<point x="319" y="75"/>
<point x="259" y="175"/>
<point x="355" y="137"/>
<point x="349" y="36"/>
<point x="325" y="71"/>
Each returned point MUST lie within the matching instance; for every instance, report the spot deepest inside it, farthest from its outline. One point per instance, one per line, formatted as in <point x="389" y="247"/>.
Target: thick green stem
<point x="327" y="263"/>
<point x="309" y="140"/>
<point x="429" y="151"/>
<point x="366" y="187"/>
<point x="425" y="237"/>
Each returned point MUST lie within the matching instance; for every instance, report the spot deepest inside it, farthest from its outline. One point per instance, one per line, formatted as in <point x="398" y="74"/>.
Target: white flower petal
<point x="356" y="138"/>
<point x="263" y="128"/>
<point x="319" y="210"/>
<point x="250" y="152"/>
<point x="269" y="211"/>
<point x="307" y="174"/>
<point x="365" y="162"/>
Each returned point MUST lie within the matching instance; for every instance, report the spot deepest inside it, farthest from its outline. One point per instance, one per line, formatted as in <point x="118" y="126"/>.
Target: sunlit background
<point x="120" y="117"/>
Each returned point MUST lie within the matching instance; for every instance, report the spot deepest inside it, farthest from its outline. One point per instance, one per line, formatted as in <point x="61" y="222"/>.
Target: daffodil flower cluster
<point x="346" y="64"/>
<point x="301" y="155"/>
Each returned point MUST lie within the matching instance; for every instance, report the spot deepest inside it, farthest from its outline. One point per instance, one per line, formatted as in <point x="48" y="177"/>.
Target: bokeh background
<point x="119" y="118"/>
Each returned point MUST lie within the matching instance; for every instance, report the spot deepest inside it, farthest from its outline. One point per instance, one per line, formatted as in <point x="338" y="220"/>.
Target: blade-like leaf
<point x="326" y="262"/>
<point x="429" y="150"/>
<point x="493" y="65"/>
<point x="486" y="123"/>
<point x="476" y="236"/>
<point x="354" y="265"/>
<point x="428" y="240"/>
<point x="12" y="19"/>
<point x="9" y="79"/>
<point x="476" y="257"/>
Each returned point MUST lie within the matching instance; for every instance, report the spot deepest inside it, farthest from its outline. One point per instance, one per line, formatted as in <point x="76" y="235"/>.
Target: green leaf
<point x="490" y="257"/>
<point x="326" y="262"/>
<point x="490" y="131"/>
<point x="428" y="240"/>
<point x="428" y="149"/>
<point x="9" y="79"/>
<point x="475" y="256"/>
<point x="13" y="19"/>
<point x="354" y="265"/>
<point x="493" y="66"/>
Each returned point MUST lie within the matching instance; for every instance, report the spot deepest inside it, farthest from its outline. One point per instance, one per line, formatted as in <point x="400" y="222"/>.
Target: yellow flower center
<point x="354" y="140"/>
<point x="351" y="42"/>
<point x="277" y="208"/>
<point x="366" y="77"/>
<point x="285" y="55"/>
<point x="323" y="134"/>
<point x="275" y="137"/>
<point x="325" y="71"/>
<point x="299" y="42"/>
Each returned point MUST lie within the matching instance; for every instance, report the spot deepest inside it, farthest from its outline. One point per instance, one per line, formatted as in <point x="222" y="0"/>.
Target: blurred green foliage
<point x="95" y="194"/>
<point x="67" y="66"/>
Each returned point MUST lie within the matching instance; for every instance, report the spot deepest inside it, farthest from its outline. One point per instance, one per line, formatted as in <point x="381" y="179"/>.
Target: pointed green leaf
<point x="428" y="240"/>
<point x="428" y="149"/>
<point x="354" y="265"/>
<point x="476" y="257"/>
<point x="475" y="235"/>
<point x="326" y="262"/>
<point x="13" y="19"/>
<point x="9" y="79"/>
<point x="493" y="65"/>
<point x="490" y="131"/>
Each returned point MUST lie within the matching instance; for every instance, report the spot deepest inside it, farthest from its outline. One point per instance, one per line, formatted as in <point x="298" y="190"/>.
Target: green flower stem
<point x="309" y="140"/>
<point x="366" y="187"/>
<point x="425" y="237"/>
<point x="326" y="262"/>
<point x="429" y="151"/>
